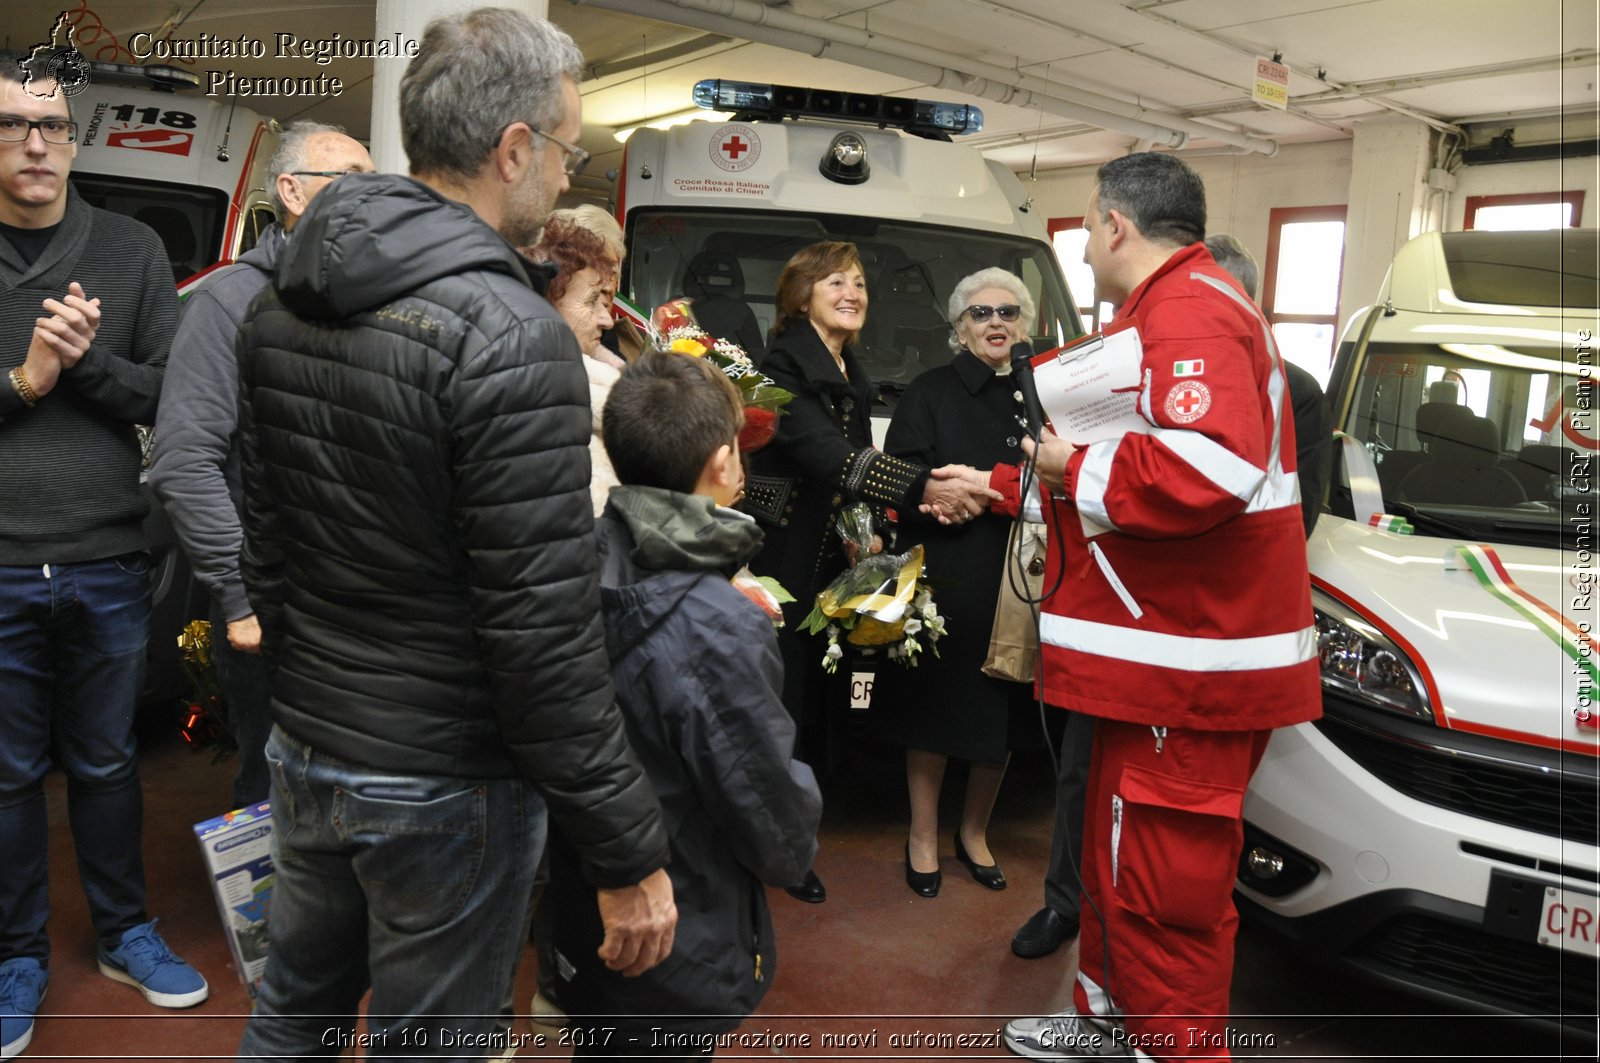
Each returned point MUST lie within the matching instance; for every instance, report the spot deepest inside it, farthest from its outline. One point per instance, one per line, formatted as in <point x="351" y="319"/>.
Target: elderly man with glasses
<point x="195" y="466"/>
<point x="87" y="310"/>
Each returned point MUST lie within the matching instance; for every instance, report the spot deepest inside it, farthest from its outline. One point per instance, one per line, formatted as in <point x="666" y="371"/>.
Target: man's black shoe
<point x="1045" y="932"/>
<point x="810" y="889"/>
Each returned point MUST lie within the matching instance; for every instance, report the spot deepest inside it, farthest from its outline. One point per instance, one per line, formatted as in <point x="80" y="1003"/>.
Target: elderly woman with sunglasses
<point x="966" y="412"/>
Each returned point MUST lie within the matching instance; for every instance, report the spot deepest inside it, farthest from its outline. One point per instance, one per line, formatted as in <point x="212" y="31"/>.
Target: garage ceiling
<point x="1061" y="82"/>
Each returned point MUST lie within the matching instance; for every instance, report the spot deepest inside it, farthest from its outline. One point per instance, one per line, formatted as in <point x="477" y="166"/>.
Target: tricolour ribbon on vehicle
<point x="1574" y="641"/>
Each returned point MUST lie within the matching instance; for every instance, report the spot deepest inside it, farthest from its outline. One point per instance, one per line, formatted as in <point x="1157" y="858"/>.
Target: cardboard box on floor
<point x="238" y="855"/>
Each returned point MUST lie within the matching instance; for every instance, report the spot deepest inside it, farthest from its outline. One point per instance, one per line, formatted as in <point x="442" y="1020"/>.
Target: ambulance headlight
<point x="845" y="161"/>
<point x="1363" y="663"/>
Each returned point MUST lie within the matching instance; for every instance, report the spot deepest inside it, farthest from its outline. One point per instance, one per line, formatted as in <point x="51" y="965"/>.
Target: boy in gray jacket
<point x="697" y="674"/>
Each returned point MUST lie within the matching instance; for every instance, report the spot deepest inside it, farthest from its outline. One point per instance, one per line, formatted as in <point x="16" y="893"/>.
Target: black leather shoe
<point x="809" y="889"/>
<point x="922" y="883"/>
<point x="986" y="874"/>
<point x="1046" y="931"/>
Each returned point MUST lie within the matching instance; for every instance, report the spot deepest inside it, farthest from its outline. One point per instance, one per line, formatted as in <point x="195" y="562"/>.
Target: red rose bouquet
<point x="673" y="329"/>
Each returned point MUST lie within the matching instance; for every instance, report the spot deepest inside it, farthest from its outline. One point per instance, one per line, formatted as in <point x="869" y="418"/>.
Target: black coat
<point x="419" y="542"/>
<point x="1313" y="440"/>
<point x="820" y="459"/>
<point x="960" y="413"/>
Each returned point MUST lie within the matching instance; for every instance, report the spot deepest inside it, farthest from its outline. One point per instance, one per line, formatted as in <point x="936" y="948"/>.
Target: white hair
<point x="993" y="277"/>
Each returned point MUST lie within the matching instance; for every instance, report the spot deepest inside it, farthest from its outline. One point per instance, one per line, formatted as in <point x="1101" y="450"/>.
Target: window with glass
<point x="1525" y="211"/>
<point x="1069" y="238"/>
<point x="1300" y="292"/>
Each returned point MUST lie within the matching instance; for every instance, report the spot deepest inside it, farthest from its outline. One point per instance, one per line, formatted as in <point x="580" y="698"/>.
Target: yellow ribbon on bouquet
<point x="888" y="602"/>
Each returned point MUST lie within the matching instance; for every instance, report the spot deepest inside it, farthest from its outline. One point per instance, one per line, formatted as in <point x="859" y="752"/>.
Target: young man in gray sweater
<point x="87" y="311"/>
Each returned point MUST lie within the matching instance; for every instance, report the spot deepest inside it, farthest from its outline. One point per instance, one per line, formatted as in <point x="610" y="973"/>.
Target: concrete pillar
<point x="1389" y="203"/>
<point x="409" y="18"/>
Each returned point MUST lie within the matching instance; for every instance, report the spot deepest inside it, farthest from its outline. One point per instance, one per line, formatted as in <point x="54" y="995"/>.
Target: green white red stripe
<point x="1390" y="523"/>
<point x="1491" y="573"/>
<point x="623" y="308"/>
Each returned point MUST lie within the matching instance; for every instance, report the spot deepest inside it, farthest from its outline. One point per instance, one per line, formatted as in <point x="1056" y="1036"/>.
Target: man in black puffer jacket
<point x="419" y="546"/>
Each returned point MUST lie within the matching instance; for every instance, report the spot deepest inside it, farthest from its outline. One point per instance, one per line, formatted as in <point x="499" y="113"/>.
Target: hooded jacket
<point x="697" y="675"/>
<point x="414" y="425"/>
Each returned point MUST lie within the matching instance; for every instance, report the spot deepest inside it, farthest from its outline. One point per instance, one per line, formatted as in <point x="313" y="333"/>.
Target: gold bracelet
<point x="19" y="381"/>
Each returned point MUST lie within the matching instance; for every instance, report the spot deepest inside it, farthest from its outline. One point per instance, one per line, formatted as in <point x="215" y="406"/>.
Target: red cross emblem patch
<point x="1188" y="401"/>
<point x="735" y="147"/>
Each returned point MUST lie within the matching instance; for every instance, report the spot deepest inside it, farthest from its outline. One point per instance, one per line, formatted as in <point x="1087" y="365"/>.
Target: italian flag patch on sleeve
<point x="1191" y="368"/>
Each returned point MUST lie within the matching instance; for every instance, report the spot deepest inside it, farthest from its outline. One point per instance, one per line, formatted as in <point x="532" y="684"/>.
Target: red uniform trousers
<point x="1163" y="830"/>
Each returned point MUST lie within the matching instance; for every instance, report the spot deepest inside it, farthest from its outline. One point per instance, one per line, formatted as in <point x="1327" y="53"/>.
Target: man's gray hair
<point x="993" y="277"/>
<point x="473" y="75"/>
<point x="1233" y="257"/>
<point x="291" y="156"/>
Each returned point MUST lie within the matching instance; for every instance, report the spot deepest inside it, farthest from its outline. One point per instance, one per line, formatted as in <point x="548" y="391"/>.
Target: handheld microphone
<point x="1022" y="373"/>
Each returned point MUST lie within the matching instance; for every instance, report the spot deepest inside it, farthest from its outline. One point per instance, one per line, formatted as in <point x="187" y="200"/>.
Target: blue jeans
<point x="246" y="682"/>
<point x="416" y="886"/>
<point x="72" y="658"/>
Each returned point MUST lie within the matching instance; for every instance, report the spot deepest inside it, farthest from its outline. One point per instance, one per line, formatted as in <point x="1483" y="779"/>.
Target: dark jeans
<point x="416" y="886"/>
<point x="72" y="659"/>
<point x="1062" y="889"/>
<point x="246" y="682"/>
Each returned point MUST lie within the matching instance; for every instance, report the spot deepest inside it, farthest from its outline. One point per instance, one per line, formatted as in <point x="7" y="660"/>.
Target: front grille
<point x="1501" y="973"/>
<point x="1477" y="776"/>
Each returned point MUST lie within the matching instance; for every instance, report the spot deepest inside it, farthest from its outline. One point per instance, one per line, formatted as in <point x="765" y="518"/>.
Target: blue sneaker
<point x="22" y="986"/>
<point x="144" y="962"/>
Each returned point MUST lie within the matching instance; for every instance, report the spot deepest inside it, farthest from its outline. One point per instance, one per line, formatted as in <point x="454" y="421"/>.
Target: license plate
<point x="1570" y="921"/>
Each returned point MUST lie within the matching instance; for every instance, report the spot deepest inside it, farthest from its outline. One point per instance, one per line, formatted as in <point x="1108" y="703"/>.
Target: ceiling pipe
<point x="1398" y="108"/>
<point x="940" y="70"/>
<point x="597" y="71"/>
<point x="1356" y="90"/>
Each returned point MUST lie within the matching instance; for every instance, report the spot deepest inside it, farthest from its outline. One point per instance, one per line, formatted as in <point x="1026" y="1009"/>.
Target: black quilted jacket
<point x="419" y="545"/>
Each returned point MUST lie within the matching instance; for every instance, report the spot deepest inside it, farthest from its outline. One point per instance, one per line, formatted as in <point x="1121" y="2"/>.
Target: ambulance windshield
<point x="729" y="262"/>
<point x="1478" y="440"/>
<point x="188" y="219"/>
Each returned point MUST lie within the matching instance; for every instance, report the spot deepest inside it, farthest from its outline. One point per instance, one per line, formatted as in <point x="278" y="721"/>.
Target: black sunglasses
<point x="980" y="314"/>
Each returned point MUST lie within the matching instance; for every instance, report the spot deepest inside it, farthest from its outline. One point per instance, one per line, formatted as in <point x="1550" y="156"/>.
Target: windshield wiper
<point x="1428" y="519"/>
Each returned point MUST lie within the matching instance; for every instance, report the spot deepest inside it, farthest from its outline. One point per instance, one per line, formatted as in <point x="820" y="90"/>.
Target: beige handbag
<point x="1014" y="639"/>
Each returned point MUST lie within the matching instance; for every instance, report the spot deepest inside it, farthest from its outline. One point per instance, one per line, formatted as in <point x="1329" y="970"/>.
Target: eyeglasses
<point x="321" y="173"/>
<point x="576" y="158"/>
<point x="15" y="128"/>
<point x="980" y="314"/>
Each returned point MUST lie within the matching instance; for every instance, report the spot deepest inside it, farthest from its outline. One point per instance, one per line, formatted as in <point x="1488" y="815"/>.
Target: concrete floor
<point x="875" y="973"/>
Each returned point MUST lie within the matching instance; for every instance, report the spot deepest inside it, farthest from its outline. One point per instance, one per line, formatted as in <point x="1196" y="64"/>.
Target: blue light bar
<point x="926" y="117"/>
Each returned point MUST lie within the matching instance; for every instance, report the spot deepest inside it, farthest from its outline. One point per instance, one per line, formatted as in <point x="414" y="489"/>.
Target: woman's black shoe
<point x="922" y="883"/>
<point x="986" y="874"/>
<point x="809" y="889"/>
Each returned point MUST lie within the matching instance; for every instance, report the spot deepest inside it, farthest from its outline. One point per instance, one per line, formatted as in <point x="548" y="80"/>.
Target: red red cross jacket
<point x="1192" y="608"/>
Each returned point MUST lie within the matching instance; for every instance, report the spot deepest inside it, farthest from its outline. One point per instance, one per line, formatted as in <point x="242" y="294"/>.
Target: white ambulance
<point x="1439" y="827"/>
<point x="191" y="167"/>
<point x="714" y="209"/>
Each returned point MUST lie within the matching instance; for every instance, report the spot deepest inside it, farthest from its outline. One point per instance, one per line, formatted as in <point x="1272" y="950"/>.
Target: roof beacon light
<point x="749" y="100"/>
<point x="845" y="161"/>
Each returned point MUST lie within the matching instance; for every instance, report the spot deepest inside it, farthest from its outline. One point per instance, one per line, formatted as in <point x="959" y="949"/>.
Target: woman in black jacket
<point x="822" y="459"/>
<point x="967" y="411"/>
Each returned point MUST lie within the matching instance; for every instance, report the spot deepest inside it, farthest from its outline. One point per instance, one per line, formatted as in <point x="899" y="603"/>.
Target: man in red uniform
<point x="1183" y="624"/>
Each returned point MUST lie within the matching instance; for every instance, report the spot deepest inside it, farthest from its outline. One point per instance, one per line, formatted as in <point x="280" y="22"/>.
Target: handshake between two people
<point x="957" y="493"/>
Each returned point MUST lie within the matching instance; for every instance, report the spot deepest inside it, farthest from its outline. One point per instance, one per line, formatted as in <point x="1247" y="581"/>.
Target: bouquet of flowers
<point x="880" y="601"/>
<point x="673" y="329"/>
